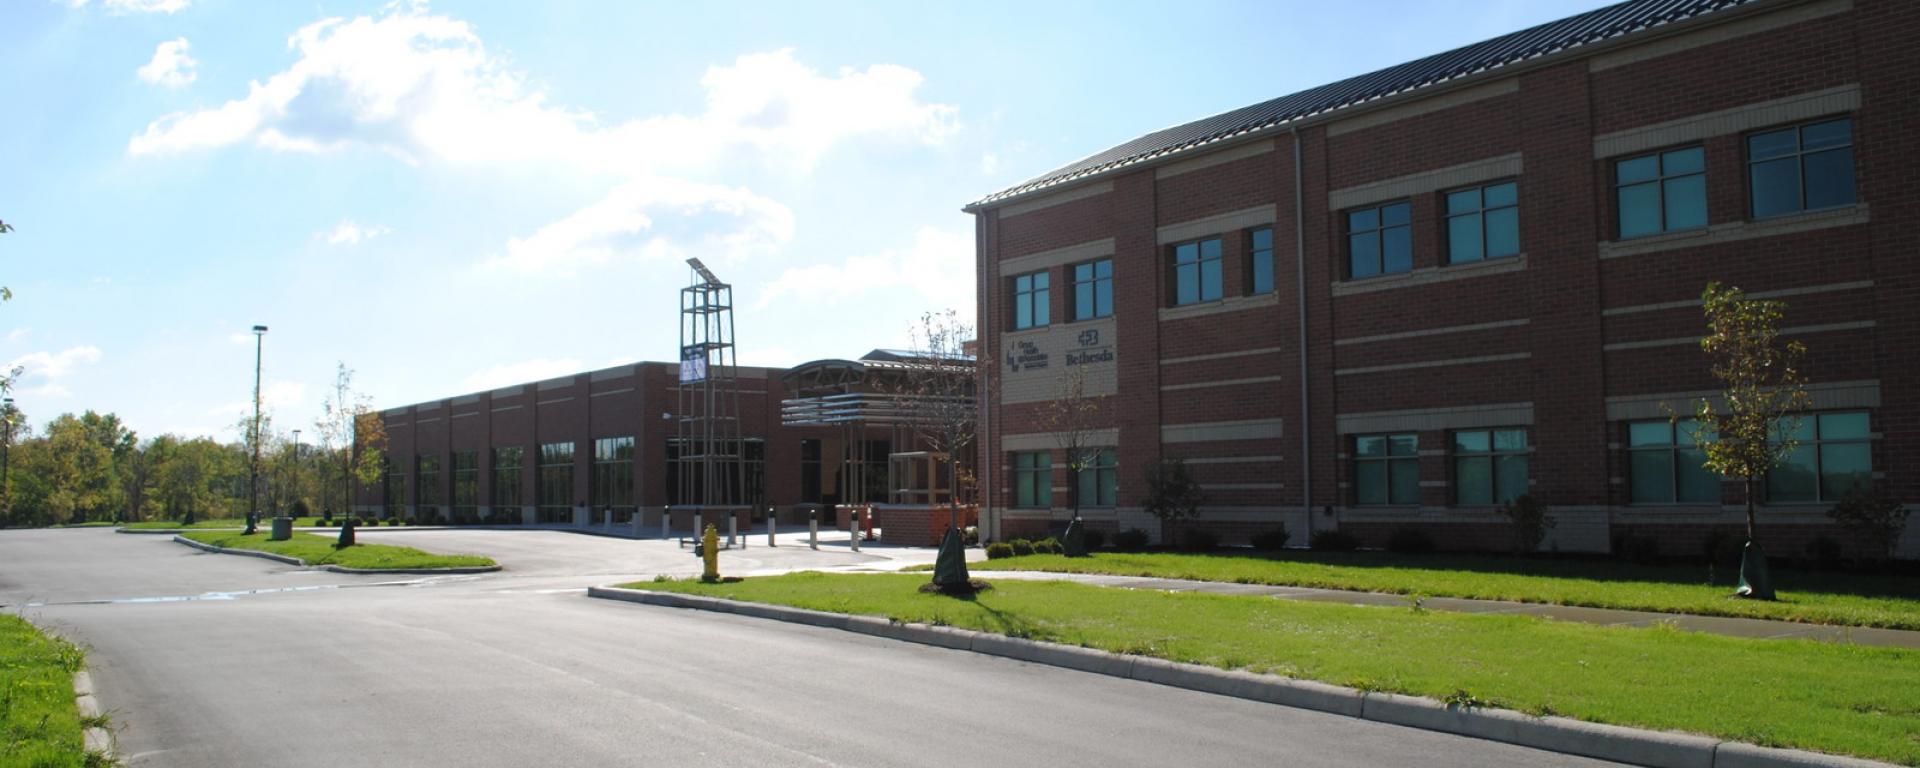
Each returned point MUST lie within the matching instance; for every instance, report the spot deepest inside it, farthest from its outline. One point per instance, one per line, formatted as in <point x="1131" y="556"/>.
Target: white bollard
<point x="699" y="526"/>
<point x="813" y="529"/>
<point x="853" y="527"/>
<point x="770" y="528"/>
<point x="666" y="523"/>
<point x="733" y="527"/>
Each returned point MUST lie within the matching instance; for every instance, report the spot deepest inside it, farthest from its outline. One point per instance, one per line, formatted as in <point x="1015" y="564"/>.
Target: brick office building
<point x="598" y="448"/>
<point x="1399" y="299"/>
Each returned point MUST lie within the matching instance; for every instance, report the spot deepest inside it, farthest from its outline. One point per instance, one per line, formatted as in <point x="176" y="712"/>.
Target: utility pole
<point x="253" y="469"/>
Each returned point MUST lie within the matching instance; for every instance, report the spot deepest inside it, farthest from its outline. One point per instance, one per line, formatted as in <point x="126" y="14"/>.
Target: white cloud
<point x="138" y="6"/>
<point x="711" y="220"/>
<point x="18" y="334"/>
<point x="348" y="233"/>
<point x="44" y="374"/>
<point x="939" y="266"/>
<point x="273" y="395"/>
<point x="989" y="163"/>
<point x="171" y="66"/>
<point x="506" y="374"/>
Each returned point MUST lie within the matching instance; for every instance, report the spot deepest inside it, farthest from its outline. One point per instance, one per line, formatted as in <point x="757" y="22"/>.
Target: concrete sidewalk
<point x="1733" y="627"/>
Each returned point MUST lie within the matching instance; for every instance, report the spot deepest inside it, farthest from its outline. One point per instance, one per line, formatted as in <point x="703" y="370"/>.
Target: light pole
<point x="253" y="468"/>
<point x="294" y="483"/>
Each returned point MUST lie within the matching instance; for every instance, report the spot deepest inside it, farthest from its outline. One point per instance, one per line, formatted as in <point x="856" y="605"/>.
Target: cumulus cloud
<point x="711" y="220"/>
<point x="44" y="374"/>
<point x="349" y="233"/>
<point x="938" y="265"/>
<point x="170" y="67"/>
<point x="507" y="374"/>
<point x="138" y="6"/>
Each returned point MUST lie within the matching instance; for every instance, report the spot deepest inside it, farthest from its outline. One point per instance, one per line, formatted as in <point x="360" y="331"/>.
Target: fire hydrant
<point x="710" y="555"/>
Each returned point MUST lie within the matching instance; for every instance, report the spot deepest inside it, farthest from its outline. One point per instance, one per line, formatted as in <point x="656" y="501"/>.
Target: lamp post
<point x="294" y="483"/>
<point x="253" y="467"/>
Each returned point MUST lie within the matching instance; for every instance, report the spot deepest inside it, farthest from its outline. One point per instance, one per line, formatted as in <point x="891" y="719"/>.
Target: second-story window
<point x="1483" y="223"/>
<point x="1803" y="168"/>
<point x="1260" y="260"/>
<point x="1031" y="296"/>
<point x="1661" y="192"/>
<point x="1093" y="289"/>
<point x="1380" y="240"/>
<point x="1196" y="272"/>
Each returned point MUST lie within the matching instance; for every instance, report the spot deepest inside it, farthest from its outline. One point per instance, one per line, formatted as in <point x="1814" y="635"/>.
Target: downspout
<point x="982" y="396"/>
<point x="1300" y="281"/>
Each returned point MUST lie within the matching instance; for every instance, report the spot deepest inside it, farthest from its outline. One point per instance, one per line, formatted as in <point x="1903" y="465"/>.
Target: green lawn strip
<point x="1808" y="597"/>
<point x="39" y="724"/>
<point x="318" y="550"/>
<point x="1833" y="698"/>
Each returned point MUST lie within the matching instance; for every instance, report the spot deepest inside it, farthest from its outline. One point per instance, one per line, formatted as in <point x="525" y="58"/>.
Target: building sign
<point x="1091" y="350"/>
<point x="693" y="365"/>
<point x="1025" y="356"/>
<point x="1034" y="360"/>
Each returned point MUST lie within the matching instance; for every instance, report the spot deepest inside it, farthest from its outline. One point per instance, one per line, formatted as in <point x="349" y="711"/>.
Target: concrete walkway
<point x="1733" y="627"/>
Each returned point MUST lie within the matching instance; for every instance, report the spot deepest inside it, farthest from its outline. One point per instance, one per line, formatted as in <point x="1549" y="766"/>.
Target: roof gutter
<point x="1255" y="133"/>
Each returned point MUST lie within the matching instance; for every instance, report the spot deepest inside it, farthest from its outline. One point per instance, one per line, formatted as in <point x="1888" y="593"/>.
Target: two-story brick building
<point x="1404" y="298"/>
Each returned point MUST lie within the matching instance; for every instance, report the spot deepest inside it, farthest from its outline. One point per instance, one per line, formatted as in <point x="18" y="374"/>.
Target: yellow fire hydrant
<point x="710" y="555"/>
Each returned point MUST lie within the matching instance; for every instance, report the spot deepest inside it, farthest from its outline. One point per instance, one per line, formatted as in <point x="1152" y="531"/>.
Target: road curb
<point x="334" y="568"/>
<point x="175" y="531"/>
<point x="96" y="738"/>
<point x="1638" y="746"/>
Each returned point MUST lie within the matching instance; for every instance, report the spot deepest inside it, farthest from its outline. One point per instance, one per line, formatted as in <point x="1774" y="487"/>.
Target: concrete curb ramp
<point x="335" y="568"/>
<point x="1661" y="749"/>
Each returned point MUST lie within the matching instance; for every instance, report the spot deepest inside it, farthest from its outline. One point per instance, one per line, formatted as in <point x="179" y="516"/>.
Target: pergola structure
<point x="910" y="395"/>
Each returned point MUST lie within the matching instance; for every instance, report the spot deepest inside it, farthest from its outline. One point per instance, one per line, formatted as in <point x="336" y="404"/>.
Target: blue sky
<point x="454" y="196"/>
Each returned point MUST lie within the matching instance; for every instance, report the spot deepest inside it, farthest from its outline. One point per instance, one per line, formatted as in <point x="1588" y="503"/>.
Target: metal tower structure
<point x="710" y="470"/>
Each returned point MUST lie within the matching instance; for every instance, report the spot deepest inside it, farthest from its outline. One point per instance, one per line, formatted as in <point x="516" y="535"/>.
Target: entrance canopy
<point x="884" y="388"/>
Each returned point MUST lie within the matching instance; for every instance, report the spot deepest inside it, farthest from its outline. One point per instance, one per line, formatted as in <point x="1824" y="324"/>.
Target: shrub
<point x="1272" y="540"/>
<point x="1048" y="546"/>
<point x="1873" y="517"/>
<point x="1095" y="537"/>
<point x="1199" y="540"/>
<point x="970" y="536"/>
<point x="1021" y="547"/>
<point x="1172" y="493"/>
<point x="393" y="522"/>
<point x="300" y="509"/>
<point x="1410" y="541"/>
<point x="998" y="550"/>
<point x="1528" y="519"/>
<point x="1131" y="540"/>
<point x="1333" y="540"/>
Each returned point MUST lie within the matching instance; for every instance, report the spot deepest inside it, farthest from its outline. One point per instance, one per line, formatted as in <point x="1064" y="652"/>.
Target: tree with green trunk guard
<point x="1762" y="394"/>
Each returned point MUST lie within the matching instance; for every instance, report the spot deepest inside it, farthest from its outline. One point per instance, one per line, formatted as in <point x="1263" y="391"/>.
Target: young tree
<point x="1763" y="394"/>
<point x="1172" y="493"/>
<point x="1073" y="418"/>
<point x="367" y="455"/>
<point x="352" y="441"/>
<point x="939" y="392"/>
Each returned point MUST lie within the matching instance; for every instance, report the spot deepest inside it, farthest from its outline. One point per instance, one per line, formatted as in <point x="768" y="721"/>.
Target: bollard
<point x="699" y="524"/>
<point x="666" y="523"/>
<point x="733" y="527"/>
<point x="813" y="529"/>
<point x="853" y="527"/>
<point x="770" y="528"/>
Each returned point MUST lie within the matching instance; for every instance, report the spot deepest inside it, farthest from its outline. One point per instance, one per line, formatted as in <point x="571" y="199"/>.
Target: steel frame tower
<point x="711" y="469"/>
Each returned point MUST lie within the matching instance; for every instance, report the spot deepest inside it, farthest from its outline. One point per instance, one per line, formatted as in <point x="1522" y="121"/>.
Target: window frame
<point x="1199" y="268"/>
<point x="1673" y="449"/>
<point x="1493" y="454"/>
<point x="1036" y="298"/>
<point x="1387" y="461"/>
<point x="1379" y="230"/>
<point x="1814" y="445"/>
<point x="1479" y="214"/>
<point x="1104" y="471"/>
<point x="1254" y="259"/>
<point x="507" y="478"/>
<point x="1035" y="467"/>
<point x="1093" y="282"/>
<point x="1660" y="181"/>
<point x="1800" y="154"/>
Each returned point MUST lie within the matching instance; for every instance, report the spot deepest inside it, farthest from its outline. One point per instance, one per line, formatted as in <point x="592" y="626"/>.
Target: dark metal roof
<point x="1584" y="29"/>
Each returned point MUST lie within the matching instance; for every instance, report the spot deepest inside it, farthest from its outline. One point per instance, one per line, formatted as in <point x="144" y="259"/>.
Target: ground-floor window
<point x="1666" y="466"/>
<point x="393" y="484"/>
<point x="1489" y="466"/>
<point x="466" y="486"/>
<point x="613" y="478"/>
<point x="427" y="484"/>
<point x="508" y="495"/>
<point x="739" y="467"/>
<point x="1386" y="470"/>
<point x="555" y="483"/>
<point x="1033" y="480"/>
<point x="1833" y="458"/>
<point x="1099" y="481"/>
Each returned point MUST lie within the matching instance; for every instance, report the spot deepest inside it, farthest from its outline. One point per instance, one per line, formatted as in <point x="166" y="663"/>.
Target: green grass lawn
<point x="39" y="724"/>
<point x="1810" y="597"/>
<point x="1833" y="698"/>
<point x="318" y="550"/>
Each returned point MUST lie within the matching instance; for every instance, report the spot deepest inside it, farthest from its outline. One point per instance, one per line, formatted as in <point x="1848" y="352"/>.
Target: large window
<point x="1489" y="466"/>
<point x="1483" y="223"/>
<point x="556" y="483"/>
<point x="507" y="493"/>
<point x="1380" y="240"/>
<point x="1196" y="272"/>
<point x="393" y="484"/>
<point x="1835" y="455"/>
<point x="1260" y="260"/>
<point x="735" y="482"/>
<point x="1099" y="481"/>
<point x="1030" y="300"/>
<point x="1661" y="192"/>
<point x="612" y="486"/>
<point x="1033" y="480"/>
<point x="1093" y="289"/>
<point x="427" y="483"/>
<point x="1664" y="466"/>
<point x="1803" y="168"/>
<point x="466" y="486"/>
<point x="1386" y="470"/>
